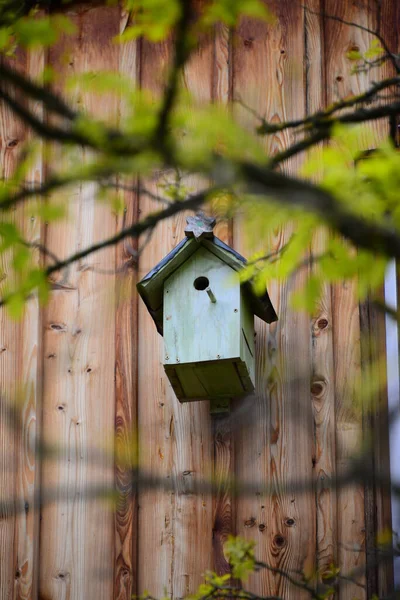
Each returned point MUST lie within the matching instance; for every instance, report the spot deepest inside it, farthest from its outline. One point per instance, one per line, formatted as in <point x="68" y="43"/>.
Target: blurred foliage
<point x="206" y="141"/>
<point x="200" y="135"/>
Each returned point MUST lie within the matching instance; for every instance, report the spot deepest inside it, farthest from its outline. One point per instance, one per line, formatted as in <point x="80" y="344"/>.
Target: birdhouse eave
<point x="151" y="286"/>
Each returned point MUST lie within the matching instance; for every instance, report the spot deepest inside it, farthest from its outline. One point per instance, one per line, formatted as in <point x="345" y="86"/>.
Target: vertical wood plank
<point x="277" y="439"/>
<point x="12" y="425"/>
<point x="29" y="460"/>
<point x="193" y="430"/>
<point x="19" y="359"/>
<point x="175" y="528"/>
<point x="77" y="550"/>
<point x="350" y="499"/>
<point x="387" y="20"/>
<point x="223" y="425"/>
<point x="126" y="372"/>
<point x="376" y="422"/>
<point x="155" y="398"/>
<point x="350" y="425"/>
<point x="346" y="329"/>
<point x="322" y="383"/>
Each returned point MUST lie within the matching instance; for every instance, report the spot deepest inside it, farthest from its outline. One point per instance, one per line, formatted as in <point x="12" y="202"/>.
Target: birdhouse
<point x="206" y="316"/>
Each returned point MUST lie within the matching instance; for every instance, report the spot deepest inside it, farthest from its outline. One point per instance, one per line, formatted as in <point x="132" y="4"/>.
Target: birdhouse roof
<point x="151" y="287"/>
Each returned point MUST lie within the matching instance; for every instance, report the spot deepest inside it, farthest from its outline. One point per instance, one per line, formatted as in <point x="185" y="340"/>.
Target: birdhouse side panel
<point x="247" y="342"/>
<point x="201" y="311"/>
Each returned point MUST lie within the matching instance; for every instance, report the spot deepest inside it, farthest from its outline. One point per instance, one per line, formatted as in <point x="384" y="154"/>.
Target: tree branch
<point x="135" y="230"/>
<point x="363" y="233"/>
<point x="52" y="101"/>
<point x="181" y="54"/>
<point x="320" y="118"/>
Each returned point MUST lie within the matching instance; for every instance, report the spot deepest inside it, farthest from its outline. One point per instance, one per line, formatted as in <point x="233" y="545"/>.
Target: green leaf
<point x="229" y="11"/>
<point x="240" y="553"/>
<point x="9" y="234"/>
<point x="374" y="50"/>
<point x="92" y="129"/>
<point x="50" y="211"/>
<point x="15" y="305"/>
<point x="154" y="19"/>
<point x="21" y="257"/>
<point x="308" y="297"/>
<point x="354" y="55"/>
<point x="32" y="32"/>
<point x="6" y="39"/>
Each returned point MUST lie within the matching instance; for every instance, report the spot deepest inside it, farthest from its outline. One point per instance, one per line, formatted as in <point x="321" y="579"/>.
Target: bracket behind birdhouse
<point x="220" y="406"/>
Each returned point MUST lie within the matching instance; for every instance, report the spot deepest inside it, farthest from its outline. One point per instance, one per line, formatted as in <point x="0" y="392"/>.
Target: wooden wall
<point x="85" y="373"/>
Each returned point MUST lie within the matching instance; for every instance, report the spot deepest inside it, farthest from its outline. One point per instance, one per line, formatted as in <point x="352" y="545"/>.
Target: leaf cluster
<point x="175" y="134"/>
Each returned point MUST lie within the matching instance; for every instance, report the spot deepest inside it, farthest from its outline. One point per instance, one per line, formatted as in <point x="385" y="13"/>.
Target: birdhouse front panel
<point x="205" y="316"/>
<point x="197" y="327"/>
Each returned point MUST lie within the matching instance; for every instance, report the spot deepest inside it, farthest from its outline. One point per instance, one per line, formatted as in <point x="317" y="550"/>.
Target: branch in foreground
<point x="52" y="101"/>
<point x="135" y="230"/>
<point x="295" y="192"/>
<point x="319" y="118"/>
<point x="181" y="50"/>
<point x="266" y="183"/>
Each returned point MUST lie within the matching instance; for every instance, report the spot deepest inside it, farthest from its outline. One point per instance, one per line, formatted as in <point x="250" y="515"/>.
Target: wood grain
<point x="126" y="371"/>
<point x="155" y="413"/>
<point x="28" y="484"/>
<point x="322" y="382"/>
<point x="19" y="361"/>
<point x="275" y="436"/>
<point x="176" y="439"/>
<point x="103" y="380"/>
<point x="223" y="426"/>
<point x="387" y="26"/>
<point x="356" y="506"/>
<point x="77" y="549"/>
<point x="13" y="425"/>
<point x="193" y="433"/>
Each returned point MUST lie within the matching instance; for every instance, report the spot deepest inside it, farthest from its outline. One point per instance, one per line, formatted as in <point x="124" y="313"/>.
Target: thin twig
<point x="319" y="118"/>
<point x="135" y="230"/>
<point x="375" y="33"/>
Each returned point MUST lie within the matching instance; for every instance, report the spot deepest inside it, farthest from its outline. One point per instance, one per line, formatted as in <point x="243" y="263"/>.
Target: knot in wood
<point x="58" y="327"/>
<point x="279" y="541"/>
<point x="262" y="527"/>
<point x="317" y="388"/>
<point x="250" y="522"/>
<point x="322" y="323"/>
<point x="289" y="522"/>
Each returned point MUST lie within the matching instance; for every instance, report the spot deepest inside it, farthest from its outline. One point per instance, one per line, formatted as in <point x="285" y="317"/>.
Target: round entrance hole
<point x="201" y="283"/>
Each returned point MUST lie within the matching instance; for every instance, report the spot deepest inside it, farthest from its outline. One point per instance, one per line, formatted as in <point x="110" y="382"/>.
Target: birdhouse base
<point x="217" y="380"/>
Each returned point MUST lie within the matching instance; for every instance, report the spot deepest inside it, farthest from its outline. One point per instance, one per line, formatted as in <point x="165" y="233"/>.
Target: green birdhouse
<point x="205" y="316"/>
